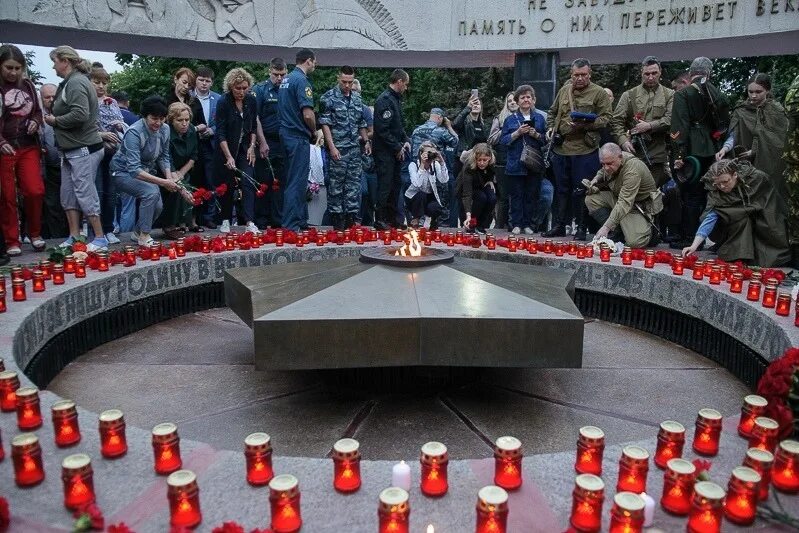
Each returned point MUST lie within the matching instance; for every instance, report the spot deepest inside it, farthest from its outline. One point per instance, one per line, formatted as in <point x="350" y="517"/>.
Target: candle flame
<point x="430" y="528"/>
<point x="28" y="465"/>
<point x="66" y="430"/>
<point x="411" y="247"/>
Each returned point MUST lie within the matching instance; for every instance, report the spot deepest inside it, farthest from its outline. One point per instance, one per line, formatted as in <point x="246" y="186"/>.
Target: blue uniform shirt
<point x="266" y="94"/>
<point x="295" y="94"/>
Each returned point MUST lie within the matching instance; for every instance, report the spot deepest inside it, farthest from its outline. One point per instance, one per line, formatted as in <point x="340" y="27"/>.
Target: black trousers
<point x="388" y="170"/>
<point x="54" y="220"/>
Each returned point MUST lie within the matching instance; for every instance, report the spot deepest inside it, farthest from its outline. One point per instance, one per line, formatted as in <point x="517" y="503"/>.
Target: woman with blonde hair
<point x="476" y="187"/>
<point x="184" y="152"/>
<point x="501" y="151"/>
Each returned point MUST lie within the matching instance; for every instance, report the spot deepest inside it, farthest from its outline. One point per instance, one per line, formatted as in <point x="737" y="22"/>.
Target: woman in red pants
<point x="20" y="153"/>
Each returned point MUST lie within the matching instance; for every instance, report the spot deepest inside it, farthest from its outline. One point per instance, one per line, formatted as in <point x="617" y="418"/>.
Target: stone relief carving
<point x="323" y="20"/>
<point x="237" y="21"/>
<point x="150" y="17"/>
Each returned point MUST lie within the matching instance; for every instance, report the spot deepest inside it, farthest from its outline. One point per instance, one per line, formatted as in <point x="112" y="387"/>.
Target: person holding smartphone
<point x="472" y="129"/>
<point x="422" y="197"/>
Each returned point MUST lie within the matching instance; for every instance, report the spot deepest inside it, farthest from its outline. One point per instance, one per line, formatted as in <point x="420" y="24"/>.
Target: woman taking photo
<point x="476" y="188"/>
<point x="422" y="197"/>
<point x="20" y="121"/>
<point x="184" y="152"/>
<point x="235" y="136"/>
<point x="501" y="152"/>
<point x="74" y="121"/>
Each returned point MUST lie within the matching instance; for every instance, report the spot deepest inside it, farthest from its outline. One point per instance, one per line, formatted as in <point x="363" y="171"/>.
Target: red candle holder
<point x="708" y="432"/>
<point x="587" y="499"/>
<point x="166" y="448"/>
<point x="604" y="254"/>
<point x="180" y="247"/>
<point x="753" y="407"/>
<point x="16" y="273"/>
<point x="2" y="281"/>
<point x="715" y="275"/>
<point x="26" y="454"/>
<point x="300" y="242"/>
<point x="671" y="440"/>
<point x="761" y="462"/>
<point x="206" y="245"/>
<point x="230" y="241"/>
<point x="765" y="433"/>
<point x="9" y="383"/>
<point x="491" y="242"/>
<point x="434" y="459"/>
<point x="284" y="503"/>
<point x="708" y="266"/>
<point x="155" y="252"/>
<point x="753" y="292"/>
<point x="258" y="457"/>
<point x="346" y="465"/>
<point x="560" y="249"/>
<point x="458" y="237"/>
<point x="102" y="261"/>
<point x="29" y="414"/>
<point x="633" y="470"/>
<point x="508" y="463"/>
<point x="80" y="268"/>
<point x="783" y="304"/>
<point x="532" y="246"/>
<point x="626" y="256"/>
<point x="677" y="266"/>
<point x="18" y="290"/>
<point x="3" y="306"/>
<point x="770" y="295"/>
<point x="47" y="268"/>
<point x="740" y="505"/>
<point x="183" y="495"/>
<point x="113" y="443"/>
<point x="512" y="244"/>
<point x="678" y="487"/>
<point x="649" y="259"/>
<point x="627" y="513"/>
<point x="581" y="252"/>
<point x="58" y="274"/>
<point x="492" y="510"/>
<point x="785" y="473"/>
<point x="699" y="270"/>
<point x="590" y="448"/>
<point x="707" y="508"/>
<point x="393" y="511"/>
<point x="77" y="475"/>
<point x="130" y="256"/>
<point x="320" y="239"/>
<point x="38" y="281"/>
<point x="340" y="238"/>
<point x="2" y="452"/>
<point x="65" y="423"/>
<point x="737" y="283"/>
<point x="359" y="239"/>
<point x="69" y="264"/>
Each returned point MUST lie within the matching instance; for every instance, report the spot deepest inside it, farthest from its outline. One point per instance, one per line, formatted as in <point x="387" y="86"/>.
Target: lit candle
<point x="626" y="256"/>
<point x="765" y="433"/>
<point x="699" y="270"/>
<point x="320" y="239"/>
<point x="560" y="248"/>
<point x="230" y="241"/>
<point x="581" y="252"/>
<point x="26" y="454"/>
<point x="387" y="238"/>
<point x="761" y="462"/>
<point x="737" y="283"/>
<point x="740" y="505"/>
<point x="548" y="246"/>
<point x="511" y="244"/>
<point x="180" y="247"/>
<point x="458" y="237"/>
<point x="783" y="304"/>
<point x="633" y="470"/>
<point x="590" y="447"/>
<point x="102" y="263"/>
<point x="206" y="246"/>
<point x="80" y="268"/>
<point x="112" y="434"/>
<point x="77" y="475"/>
<point x="155" y="252"/>
<point x="18" y="290"/>
<point x="677" y="266"/>
<point x="284" y="503"/>
<point x="587" y="499"/>
<point x="706" y="508"/>
<point x="753" y="407"/>
<point x="359" y="239"/>
<point x="130" y="256"/>
<point x="709" y="264"/>
<point x="29" y="414"/>
<point x="300" y="241"/>
<point x="708" y="432"/>
<point x="649" y="509"/>
<point x="627" y="513"/>
<point x="589" y="250"/>
<point x="69" y="264"/>
<point x="38" y="281"/>
<point x="166" y="448"/>
<point x="532" y="246"/>
<point x="65" y="423"/>
<point x="58" y="274"/>
<point x="9" y="383"/>
<point x="671" y="439"/>
<point x="753" y="292"/>
<point x="258" y="457"/>
<point x="491" y="242"/>
<point x="434" y="459"/>
<point x="47" y="269"/>
<point x="3" y="306"/>
<point x="678" y="486"/>
<point x="183" y="495"/>
<point x="401" y="476"/>
<point x="346" y="465"/>
<point x="16" y="273"/>
<point x="715" y="275"/>
<point x="492" y="510"/>
<point x="2" y="452"/>
<point x="508" y="463"/>
<point x="785" y="473"/>
<point x="604" y="254"/>
<point x="770" y="295"/>
<point x="393" y="511"/>
<point x="340" y="238"/>
<point x="649" y="259"/>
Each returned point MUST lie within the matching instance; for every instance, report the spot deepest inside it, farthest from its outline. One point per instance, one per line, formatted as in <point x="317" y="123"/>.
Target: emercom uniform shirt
<point x="389" y="124"/>
<point x="649" y="105"/>
<point x="632" y="183"/>
<point x="591" y="99"/>
<point x="266" y="99"/>
<point x="295" y="95"/>
<point x="344" y="116"/>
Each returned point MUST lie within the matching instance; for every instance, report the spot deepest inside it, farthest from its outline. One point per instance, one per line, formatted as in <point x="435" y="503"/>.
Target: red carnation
<point x="27" y="273"/>
<point x="717" y="135"/>
<point x="702" y="469"/>
<point x="89" y="517"/>
<point x="180" y="529"/>
<point x="221" y="190"/>
<point x="275" y="185"/>
<point x="93" y="261"/>
<point x="639" y="117"/>
<point x="259" y="193"/>
<point x="116" y="257"/>
<point x="78" y="246"/>
<point x="5" y="515"/>
<point x="229" y="527"/>
<point x="119" y="528"/>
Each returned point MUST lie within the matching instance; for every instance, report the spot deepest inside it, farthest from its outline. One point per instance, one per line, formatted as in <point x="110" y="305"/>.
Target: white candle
<point x="430" y="529"/>
<point x="401" y="476"/>
<point x="649" y="509"/>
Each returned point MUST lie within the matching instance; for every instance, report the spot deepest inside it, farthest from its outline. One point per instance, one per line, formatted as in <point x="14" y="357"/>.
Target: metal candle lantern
<point x="183" y="495"/>
<point x="346" y="465"/>
<point x="284" y="503"/>
<point x="753" y="407"/>
<point x="508" y="463"/>
<point x="166" y="448"/>
<point x="678" y="486"/>
<point x="393" y="511"/>
<point x="590" y="447"/>
<point x="708" y="432"/>
<point x="434" y="459"/>
<point x="492" y="510"/>
<point x="258" y="456"/>
<point x="740" y="504"/>
<point x="65" y="423"/>
<point x="671" y="439"/>
<point x="26" y="454"/>
<point x="587" y="499"/>
<point x="706" y="508"/>
<point x="77" y="475"/>
<point x="112" y="434"/>
<point x="29" y="414"/>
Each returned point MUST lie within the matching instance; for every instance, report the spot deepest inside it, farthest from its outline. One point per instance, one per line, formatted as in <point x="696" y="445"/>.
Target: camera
<point x="432" y="154"/>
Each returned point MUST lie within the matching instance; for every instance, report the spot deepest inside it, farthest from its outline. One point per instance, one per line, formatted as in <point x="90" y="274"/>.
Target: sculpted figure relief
<point x="323" y="22"/>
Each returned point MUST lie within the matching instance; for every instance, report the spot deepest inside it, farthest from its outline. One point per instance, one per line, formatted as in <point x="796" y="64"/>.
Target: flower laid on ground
<point x="5" y="515"/>
<point x="779" y="385"/>
<point x="119" y="528"/>
<point x="89" y="516"/>
<point x="229" y="527"/>
<point x="702" y="469"/>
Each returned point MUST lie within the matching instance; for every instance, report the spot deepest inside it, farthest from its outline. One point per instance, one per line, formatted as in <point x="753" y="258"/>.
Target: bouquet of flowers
<point x="780" y="386"/>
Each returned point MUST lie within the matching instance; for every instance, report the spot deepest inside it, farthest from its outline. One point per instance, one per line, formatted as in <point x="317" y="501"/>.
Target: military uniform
<point x="344" y="116"/>
<point x="272" y="170"/>
<point x="791" y="157"/>
<point x="389" y="138"/>
<point x="438" y="135"/>
<point x="614" y="203"/>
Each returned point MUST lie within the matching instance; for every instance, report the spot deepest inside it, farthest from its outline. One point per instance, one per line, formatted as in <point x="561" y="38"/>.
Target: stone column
<point x="538" y="69"/>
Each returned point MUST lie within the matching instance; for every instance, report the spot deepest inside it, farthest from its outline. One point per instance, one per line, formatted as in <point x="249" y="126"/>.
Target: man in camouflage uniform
<point x="344" y="127"/>
<point x="438" y="130"/>
<point x="791" y="157"/>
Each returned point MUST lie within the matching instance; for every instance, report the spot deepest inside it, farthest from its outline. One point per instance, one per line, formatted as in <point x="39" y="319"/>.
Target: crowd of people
<point x="665" y="164"/>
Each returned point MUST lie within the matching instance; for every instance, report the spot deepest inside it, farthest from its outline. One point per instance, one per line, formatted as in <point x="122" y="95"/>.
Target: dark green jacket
<point x="695" y="128"/>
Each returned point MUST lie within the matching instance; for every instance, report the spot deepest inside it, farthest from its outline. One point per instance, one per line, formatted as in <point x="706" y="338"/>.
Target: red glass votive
<point x="284" y="502"/>
<point x="393" y="511"/>
<point x="9" y="383"/>
<point x="206" y="246"/>
<point x="590" y="447"/>
<point x="2" y="281"/>
<point x="783" y="304"/>
<point x="633" y="470"/>
<point x="765" y="433"/>
<point x="785" y="473"/>
<point x="761" y="462"/>
<point x="512" y="245"/>
<point x="18" y="290"/>
<point x="587" y="499"/>
<point x="737" y="283"/>
<point x="671" y="439"/>
<point x="230" y="241"/>
<point x="47" y="268"/>
<point x="708" y="266"/>
<point x="649" y="259"/>
<point x="69" y="264"/>
<point x="3" y="306"/>
<point x="753" y="292"/>
<point x="458" y="237"/>
<point x="572" y="248"/>
<point x="65" y="423"/>
<point x="58" y="274"/>
<point x="604" y="254"/>
<point x="491" y="242"/>
<point x="386" y="238"/>
<point x="581" y="252"/>
<point x="130" y="256"/>
<point x="26" y="454"/>
<point x="708" y="432"/>
<point x="770" y="295"/>
<point x="16" y="273"/>
<point x="300" y="241"/>
<point x="434" y="459"/>
<point x="626" y="256"/>
<point x="560" y="249"/>
<point x="80" y="268"/>
<point x="112" y="434"/>
<point x="77" y="475"/>
<point x="340" y="238"/>
<point x="678" y="487"/>
<point x="359" y="239"/>
<point x="166" y="448"/>
<point x="532" y="246"/>
<point x="180" y="247"/>
<point x="38" y="281"/>
<point x="740" y="505"/>
<point x="707" y="508"/>
<point x="627" y="513"/>
<point x="29" y="414"/>
<point x="699" y="270"/>
<point x="715" y="275"/>
<point x="753" y="407"/>
<point x="258" y="457"/>
<point x="2" y="452"/>
<point x="102" y="263"/>
<point x="492" y="510"/>
<point x="155" y="252"/>
<point x="183" y="495"/>
<point x="508" y="463"/>
<point x="346" y="465"/>
<point x="320" y="239"/>
<point x="677" y="266"/>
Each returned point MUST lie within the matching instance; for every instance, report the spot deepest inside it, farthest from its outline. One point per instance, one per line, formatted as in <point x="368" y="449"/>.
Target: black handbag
<point x="531" y="158"/>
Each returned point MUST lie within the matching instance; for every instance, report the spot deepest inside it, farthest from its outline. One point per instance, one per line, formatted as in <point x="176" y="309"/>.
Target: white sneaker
<point x="528" y="230"/>
<point x="225" y="226"/>
<point x="111" y="238"/>
<point x="252" y="228"/>
<point x="516" y="230"/>
<point x="84" y="230"/>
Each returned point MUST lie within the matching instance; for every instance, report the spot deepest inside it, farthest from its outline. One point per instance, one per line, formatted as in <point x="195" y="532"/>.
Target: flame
<point x="430" y="528"/>
<point x="411" y="247"/>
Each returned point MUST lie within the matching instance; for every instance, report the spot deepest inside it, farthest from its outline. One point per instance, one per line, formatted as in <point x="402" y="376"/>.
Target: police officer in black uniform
<point x="391" y="144"/>
<point x="271" y="163"/>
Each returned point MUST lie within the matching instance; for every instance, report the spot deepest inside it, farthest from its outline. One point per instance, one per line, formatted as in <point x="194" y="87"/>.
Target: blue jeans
<point x="149" y="196"/>
<point x="298" y="157"/>
<point x="107" y="193"/>
<point x="126" y="213"/>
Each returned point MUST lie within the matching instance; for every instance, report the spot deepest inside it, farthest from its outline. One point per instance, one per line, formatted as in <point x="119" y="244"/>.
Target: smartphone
<point x="475" y="93"/>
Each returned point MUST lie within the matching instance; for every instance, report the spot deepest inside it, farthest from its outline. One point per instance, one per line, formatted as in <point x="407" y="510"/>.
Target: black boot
<point x="349" y="221"/>
<point x="338" y="221"/>
<point x="433" y="223"/>
<point x="557" y="231"/>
